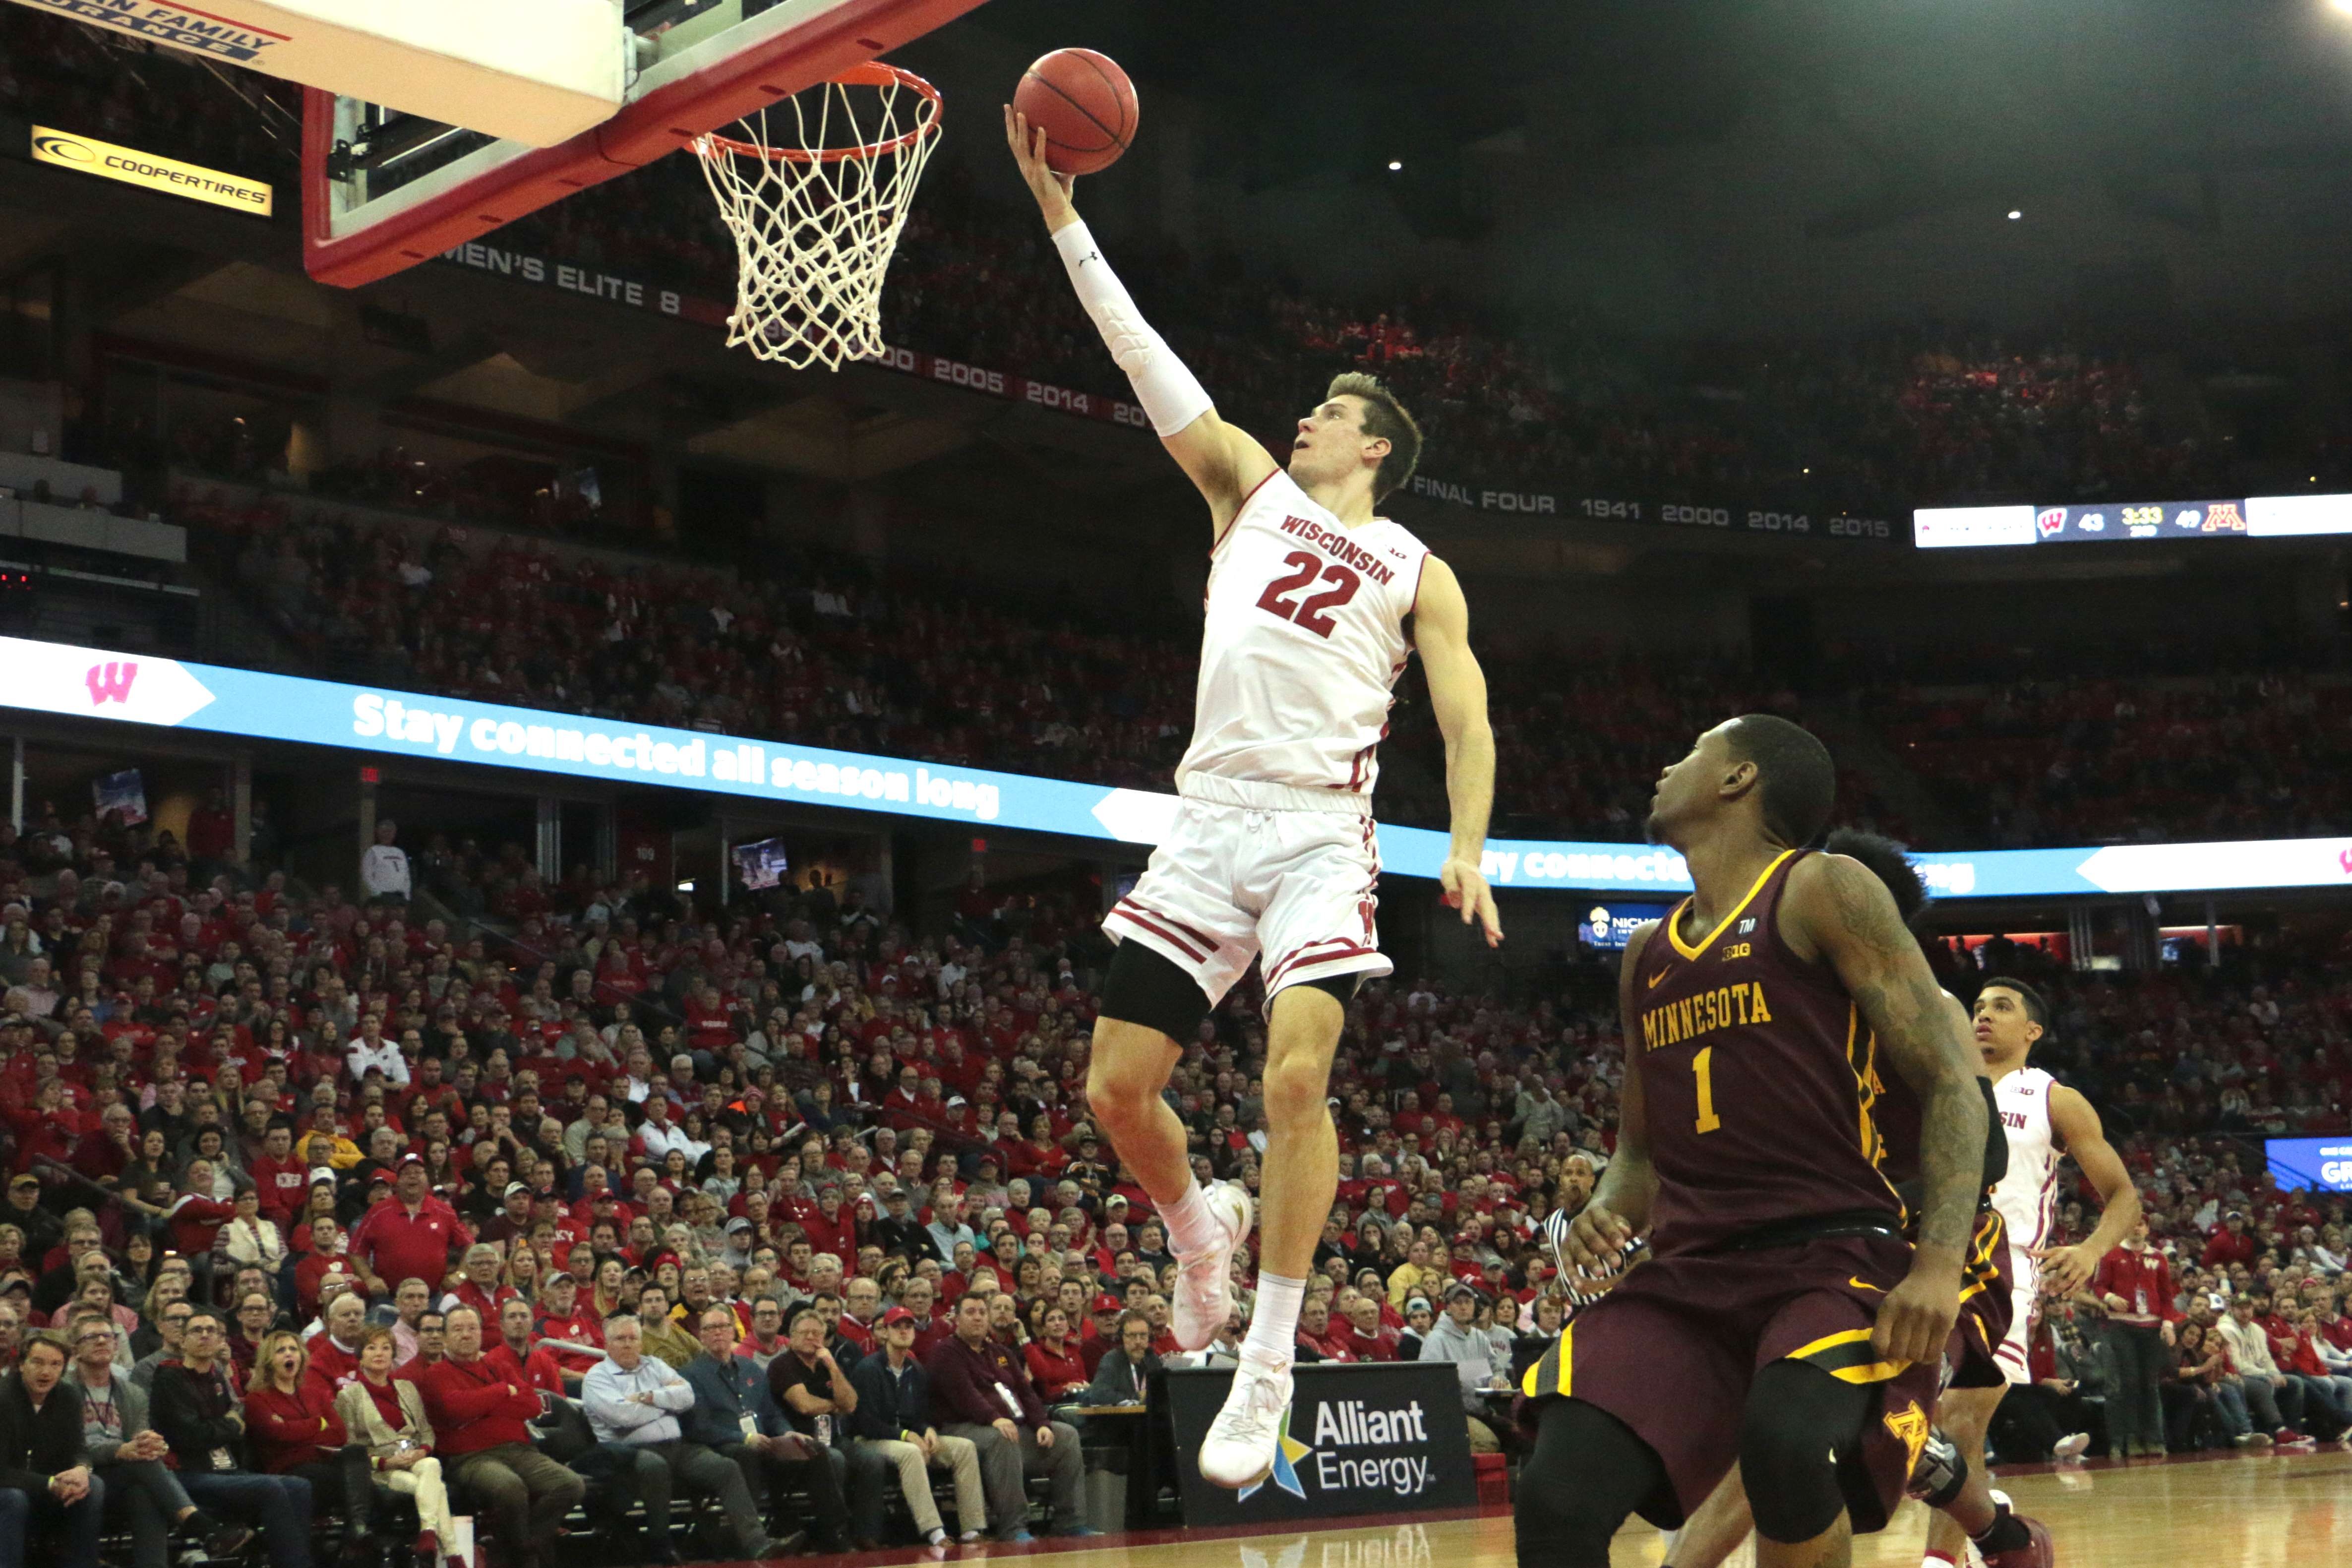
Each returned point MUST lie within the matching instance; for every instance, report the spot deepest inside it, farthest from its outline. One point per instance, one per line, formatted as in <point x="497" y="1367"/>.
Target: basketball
<point x="1086" y="106"/>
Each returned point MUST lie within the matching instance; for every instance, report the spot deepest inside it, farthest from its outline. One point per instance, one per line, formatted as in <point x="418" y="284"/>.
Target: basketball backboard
<point x="384" y="190"/>
<point x="540" y="71"/>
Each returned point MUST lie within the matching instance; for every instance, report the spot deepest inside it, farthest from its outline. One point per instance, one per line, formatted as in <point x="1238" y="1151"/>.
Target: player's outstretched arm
<point x="1223" y="462"/>
<point x="1618" y="1209"/>
<point x="2080" y="1134"/>
<point x="1837" y="907"/>
<point x="1457" y="693"/>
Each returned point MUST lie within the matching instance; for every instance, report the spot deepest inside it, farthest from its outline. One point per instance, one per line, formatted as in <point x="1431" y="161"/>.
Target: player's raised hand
<point x="1466" y="890"/>
<point x="1917" y="1317"/>
<point x="1051" y="190"/>
<point x="1596" y="1242"/>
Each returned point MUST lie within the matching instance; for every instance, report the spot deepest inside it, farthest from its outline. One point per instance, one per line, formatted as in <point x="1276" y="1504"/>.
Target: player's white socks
<point x="1274" y="1328"/>
<point x="1191" y="1224"/>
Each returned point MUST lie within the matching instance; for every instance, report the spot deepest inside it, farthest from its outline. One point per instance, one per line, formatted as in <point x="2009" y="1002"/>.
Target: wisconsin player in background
<point x="1781" y="1321"/>
<point x="1315" y="604"/>
<point x="1946" y="1478"/>
<point x="2044" y="1120"/>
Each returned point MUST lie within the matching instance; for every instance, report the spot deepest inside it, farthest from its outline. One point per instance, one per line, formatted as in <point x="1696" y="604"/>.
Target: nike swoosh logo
<point x="1859" y="1283"/>
<point x="1661" y="974"/>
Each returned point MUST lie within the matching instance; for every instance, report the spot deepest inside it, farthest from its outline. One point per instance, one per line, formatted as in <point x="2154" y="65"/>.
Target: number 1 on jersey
<point x="1702" y="1065"/>
<point x="1307" y="614"/>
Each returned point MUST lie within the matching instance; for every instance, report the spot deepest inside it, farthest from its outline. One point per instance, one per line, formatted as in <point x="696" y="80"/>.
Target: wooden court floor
<point x="2256" y="1511"/>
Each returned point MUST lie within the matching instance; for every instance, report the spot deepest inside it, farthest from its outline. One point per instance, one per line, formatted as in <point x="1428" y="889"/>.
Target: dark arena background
<point x="460" y="711"/>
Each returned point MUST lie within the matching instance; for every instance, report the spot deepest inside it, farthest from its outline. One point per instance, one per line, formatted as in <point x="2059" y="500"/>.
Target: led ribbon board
<point x="134" y="688"/>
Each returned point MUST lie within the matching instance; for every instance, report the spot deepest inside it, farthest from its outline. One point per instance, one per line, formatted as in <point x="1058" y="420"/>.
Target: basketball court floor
<point x="2231" y="1512"/>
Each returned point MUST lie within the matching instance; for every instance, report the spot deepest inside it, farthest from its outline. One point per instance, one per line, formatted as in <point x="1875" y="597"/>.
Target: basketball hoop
<point x="816" y="215"/>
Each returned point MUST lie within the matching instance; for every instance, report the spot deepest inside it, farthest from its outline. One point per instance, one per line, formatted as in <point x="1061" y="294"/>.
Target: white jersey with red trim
<point x="2027" y="1196"/>
<point x="1302" y="643"/>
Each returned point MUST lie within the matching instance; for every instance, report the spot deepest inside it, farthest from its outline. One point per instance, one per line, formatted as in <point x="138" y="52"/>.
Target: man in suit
<point x="1126" y="1369"/>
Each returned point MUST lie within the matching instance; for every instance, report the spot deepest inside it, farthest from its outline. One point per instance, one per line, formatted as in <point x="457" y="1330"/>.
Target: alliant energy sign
<point x="136" y="689"/>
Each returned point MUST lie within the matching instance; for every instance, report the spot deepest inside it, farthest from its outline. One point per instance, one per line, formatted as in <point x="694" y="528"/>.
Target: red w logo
<point x="111" y="682"/>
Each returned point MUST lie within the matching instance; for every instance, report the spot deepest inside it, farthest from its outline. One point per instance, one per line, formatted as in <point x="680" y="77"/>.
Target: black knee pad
<point x="1799" y="1425"/>
<point x="1146" y="987"/>
<point x="1587" y="1472"/>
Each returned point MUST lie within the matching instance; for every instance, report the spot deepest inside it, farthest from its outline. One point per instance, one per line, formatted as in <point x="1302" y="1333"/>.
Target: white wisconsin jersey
<point x="1302" y="643"/>
<point x="2027" y="1196"/>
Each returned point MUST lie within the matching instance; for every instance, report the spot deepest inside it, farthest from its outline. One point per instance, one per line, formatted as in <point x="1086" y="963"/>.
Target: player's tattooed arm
<point x="1843" y="913"/>
<point x="1619" y="1206"/>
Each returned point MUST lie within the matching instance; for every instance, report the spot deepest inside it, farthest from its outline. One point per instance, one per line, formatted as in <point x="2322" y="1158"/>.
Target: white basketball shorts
<point x="2024" y="1301"/>
<point x="1250" y="869"/>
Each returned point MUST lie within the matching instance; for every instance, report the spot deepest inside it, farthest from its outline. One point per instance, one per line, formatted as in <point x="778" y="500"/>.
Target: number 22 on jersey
<point x="1309" y="612"/>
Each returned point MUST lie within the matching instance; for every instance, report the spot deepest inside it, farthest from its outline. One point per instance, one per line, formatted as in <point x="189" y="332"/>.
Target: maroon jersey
<point x="1758" y="1080"/>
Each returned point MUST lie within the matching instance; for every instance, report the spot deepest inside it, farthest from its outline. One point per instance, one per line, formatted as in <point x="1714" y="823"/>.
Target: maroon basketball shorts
<point x="1970" y="1358"/>
<point x="1672" y="1350"/>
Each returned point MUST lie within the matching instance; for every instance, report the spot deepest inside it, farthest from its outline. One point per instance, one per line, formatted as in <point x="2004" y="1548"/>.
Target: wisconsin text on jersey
<point x="1338" y="545"/>
<point x="1721" y="1008"/>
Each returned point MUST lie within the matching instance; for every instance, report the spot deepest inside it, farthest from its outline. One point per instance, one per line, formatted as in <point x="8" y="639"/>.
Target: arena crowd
<point x="600" y="1197"/>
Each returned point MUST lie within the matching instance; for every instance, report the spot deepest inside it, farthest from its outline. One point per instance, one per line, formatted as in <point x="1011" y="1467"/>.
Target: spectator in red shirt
<point x="520" y="1359"/>
<point x="334" y="1349"/>
<point x="410" y="1235"/>
<point x="293" y="1428"/>
<point x="480" y="1430"/>
<point x="481" y="1289"/>
<point x="1320" y="1339"/>
<point x="1368" y="1338"/>
<point x="2231" y="1244"/>
<point x="2136" y="1285"/>
<point x="1055" y="1363"/>
<point x="283" y="1181"/>
<point x="196" y="1214"/>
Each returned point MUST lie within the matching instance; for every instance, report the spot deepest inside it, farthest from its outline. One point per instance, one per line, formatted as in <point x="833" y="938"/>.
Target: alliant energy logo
<point x="1345" y="1425"/>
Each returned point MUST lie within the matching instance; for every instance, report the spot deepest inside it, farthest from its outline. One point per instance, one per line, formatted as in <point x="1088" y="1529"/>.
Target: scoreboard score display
<point x="2099" y="522"/>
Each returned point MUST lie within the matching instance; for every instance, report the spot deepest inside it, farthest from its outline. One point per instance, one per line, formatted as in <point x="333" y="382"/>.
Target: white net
<point x="816" y="194"/>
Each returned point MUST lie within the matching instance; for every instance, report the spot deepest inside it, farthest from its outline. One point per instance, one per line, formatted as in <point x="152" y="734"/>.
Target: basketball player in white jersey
<point x="1315" y="604"/>
<point x="2044" y="1120"/>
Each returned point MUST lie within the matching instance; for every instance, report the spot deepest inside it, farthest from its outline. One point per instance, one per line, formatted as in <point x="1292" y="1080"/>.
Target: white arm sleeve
<point x="1171" y="396"/>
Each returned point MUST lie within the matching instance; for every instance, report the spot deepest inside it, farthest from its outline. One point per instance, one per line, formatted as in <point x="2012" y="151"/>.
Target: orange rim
<point x="874" y="73"/>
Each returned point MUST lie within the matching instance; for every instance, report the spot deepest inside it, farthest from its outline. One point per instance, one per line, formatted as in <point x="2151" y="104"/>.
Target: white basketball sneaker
<point x="1205" y="1280"/>
<point x="1240" y="1446"/>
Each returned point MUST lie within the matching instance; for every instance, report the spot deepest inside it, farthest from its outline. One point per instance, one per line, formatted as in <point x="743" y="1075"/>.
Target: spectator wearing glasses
<point x="736" y="1414"/>
<point x="202" y="1419"/>
<point x="172" y="1324"/>
<point x="127" y="1453"/>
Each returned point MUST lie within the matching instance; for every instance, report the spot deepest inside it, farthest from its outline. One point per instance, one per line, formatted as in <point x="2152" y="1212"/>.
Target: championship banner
<point x="140" y="689"/>
<point x="1381" y="1438"/>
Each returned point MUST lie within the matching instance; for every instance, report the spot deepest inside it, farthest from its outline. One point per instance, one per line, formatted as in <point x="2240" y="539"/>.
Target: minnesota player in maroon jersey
<point x="1781" y="1321"/>
<point x="1946" y="1479"/>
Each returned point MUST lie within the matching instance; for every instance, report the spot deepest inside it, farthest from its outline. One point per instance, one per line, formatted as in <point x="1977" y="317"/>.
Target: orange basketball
<point x="1086" y="106"/>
